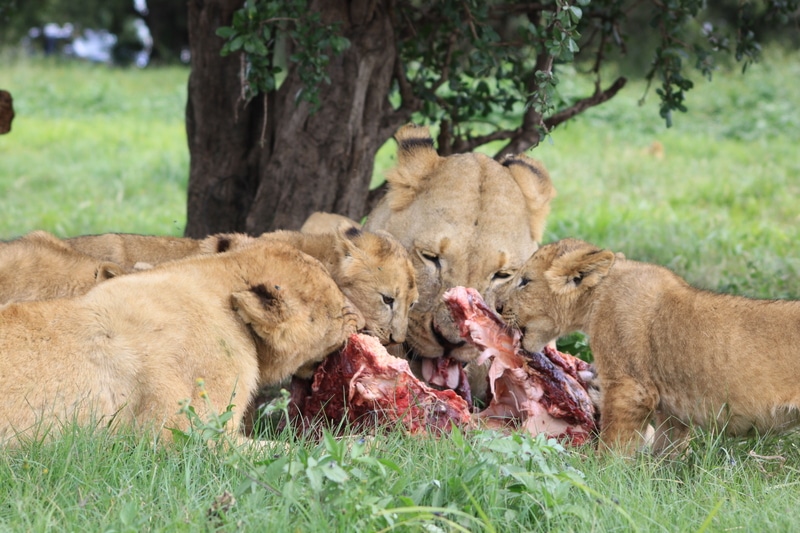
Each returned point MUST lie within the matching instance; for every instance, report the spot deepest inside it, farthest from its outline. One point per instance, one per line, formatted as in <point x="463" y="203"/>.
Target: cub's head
<point x="294" y="308"/>
<point x="465" y="219"/>
<point x="376" y="274"/>
<point x="551" y="294"/>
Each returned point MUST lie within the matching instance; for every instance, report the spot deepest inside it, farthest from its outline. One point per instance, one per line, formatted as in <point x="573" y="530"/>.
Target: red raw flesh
<point x="540" y="392"/>
<point x="366" y="386"/>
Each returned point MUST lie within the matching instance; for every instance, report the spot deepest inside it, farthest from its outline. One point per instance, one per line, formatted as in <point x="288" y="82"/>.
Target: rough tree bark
<point x="254" y="176"/>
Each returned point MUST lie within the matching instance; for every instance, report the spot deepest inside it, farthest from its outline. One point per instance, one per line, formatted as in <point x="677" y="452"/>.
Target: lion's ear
<point x="321" y="222"/>
<point x="107" y="270"/>
<point x="537" y="190"/>
<point x="345" y="241"/>
<point x="262" y="307"/>
<point x="579" y="269"/>
<point x="44" y="237"/>
<point x="416" y="158"/>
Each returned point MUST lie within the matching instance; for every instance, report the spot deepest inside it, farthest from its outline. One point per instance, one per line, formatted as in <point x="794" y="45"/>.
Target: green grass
<point x="95" y="149"/>
<point x="719" y="208"/>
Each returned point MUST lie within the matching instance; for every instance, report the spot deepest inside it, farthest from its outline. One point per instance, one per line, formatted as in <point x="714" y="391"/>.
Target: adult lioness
<point x="133" y="347"/>
<point x="39" y="266"/>
<point x="465" y="219"/>
<point x="662" y="348"/>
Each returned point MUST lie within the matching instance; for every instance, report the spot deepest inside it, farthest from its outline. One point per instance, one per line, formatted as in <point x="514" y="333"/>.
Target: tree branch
<point x="529" y="133"/>
<point x="374" y="196"/>
<point x="582" y="105"/>
<point x="469" y="144"/>
<point x="409" y="102"/>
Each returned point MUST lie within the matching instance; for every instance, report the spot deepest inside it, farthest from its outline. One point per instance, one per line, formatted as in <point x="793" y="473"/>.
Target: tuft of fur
<point x="665" y="352"/>
<point x="39" y="266"/>
<point x="132" y="349"/>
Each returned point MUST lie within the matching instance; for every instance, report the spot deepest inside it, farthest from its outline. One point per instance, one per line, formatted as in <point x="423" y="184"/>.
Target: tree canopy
<point x="459" y="63"/>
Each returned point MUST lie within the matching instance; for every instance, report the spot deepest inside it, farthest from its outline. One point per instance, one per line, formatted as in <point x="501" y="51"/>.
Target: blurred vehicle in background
<point x="126" y="40"/>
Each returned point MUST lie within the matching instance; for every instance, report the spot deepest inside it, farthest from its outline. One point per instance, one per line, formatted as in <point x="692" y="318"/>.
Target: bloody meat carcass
<point x="539" y="392"/>
<point x="366" y="386"/>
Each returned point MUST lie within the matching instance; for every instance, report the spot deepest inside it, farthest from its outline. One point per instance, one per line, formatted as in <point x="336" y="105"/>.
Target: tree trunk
<point x="251" y="176"/>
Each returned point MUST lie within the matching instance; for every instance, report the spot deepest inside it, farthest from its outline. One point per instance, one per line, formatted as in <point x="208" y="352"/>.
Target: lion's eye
<point x="388" y="300"/>
<point x="523" y="281"/>
<point x="501" y="275"/>
<point x="431" y="257"/>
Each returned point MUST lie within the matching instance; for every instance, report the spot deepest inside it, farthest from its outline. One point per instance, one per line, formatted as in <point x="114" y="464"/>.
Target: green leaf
<point x="314" y="477"/>
<point x="339" y="43"/>
<point x="572" y="46"/>
<point x="333" y="446"/>
<point x="236" y="43"/>
<point x="259" y="48"/>
<point x="225" y="32"/>
<point x="505" y="446"/>
<point x="334" y="472"/>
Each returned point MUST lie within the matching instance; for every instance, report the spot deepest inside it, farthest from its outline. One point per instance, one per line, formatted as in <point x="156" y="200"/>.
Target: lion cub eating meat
<point x="131" y="349"/>
<point x="663" y="349"/>
<point x="372" y="269"/>
<point x="39" y="266"/>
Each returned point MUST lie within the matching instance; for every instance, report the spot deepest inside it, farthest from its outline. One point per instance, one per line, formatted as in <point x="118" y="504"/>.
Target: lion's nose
<point x="499" y="308"/>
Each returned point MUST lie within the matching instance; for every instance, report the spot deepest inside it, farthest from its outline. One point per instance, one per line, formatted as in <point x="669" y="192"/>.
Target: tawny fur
<point x="39" y="266"/>
<point x="371" y="268"/>
<point x="129" y="249"/>
<point x="465" y="219"/>
<point x="664" y="351"/>
<point x="131" y="349"/>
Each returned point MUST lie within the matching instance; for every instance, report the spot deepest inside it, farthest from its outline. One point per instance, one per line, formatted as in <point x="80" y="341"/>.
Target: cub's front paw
<point x="353" y="319"/>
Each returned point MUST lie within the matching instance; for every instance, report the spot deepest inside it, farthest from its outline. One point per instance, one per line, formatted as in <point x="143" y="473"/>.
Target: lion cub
<point x="39" y="266"/>
<point x="663" y="349"/>
<point x="132" y="348"/>
<point x="372" y="268"/>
